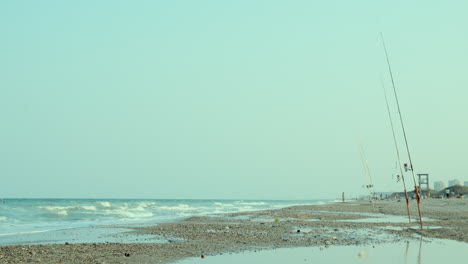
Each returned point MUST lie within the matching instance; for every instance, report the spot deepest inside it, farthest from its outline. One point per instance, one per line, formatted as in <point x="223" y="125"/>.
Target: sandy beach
<point x="349" y="223"/>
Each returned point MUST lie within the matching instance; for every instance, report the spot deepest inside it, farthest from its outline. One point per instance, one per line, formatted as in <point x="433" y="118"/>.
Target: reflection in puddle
<point x="414" y="251"/>
<point x="361" y="218"/>
<point x="377" y="218"/>
<point x="384" y="219"/>
<point x="361" y="235"/>
<point x="401" y="228"/>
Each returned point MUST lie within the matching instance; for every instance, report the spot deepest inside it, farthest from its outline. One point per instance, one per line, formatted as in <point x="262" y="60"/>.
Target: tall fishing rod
<point x="397" y="152"/>
<point x="416" y="189"/>
<point x="367" y="171"/>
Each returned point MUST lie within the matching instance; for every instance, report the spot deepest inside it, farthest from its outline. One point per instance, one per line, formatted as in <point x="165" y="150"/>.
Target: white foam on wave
<point x="3" y="218"/>
<point x="61" y="212"/>
<point x="250" y="203"/>
<point x="56" y="210"/>
<point x="135" y="214"/>
<point x="223" y="204"/>
<point x="104" y="204"/>
<point x="128" y="210"/>
<point x="145" y="204"/>
<point x="64" y="210"/>
<point x="142" y="206"/>
<point x="139" y="208"/>
<point x="179" y="207"/>
<point x="89" y="207"/>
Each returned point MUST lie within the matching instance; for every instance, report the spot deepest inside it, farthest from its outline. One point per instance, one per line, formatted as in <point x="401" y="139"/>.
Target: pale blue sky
<point x="226" y="99"/>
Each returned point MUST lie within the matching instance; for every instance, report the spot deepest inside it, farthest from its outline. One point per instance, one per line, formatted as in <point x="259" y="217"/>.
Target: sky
<point x="242" y="99"/>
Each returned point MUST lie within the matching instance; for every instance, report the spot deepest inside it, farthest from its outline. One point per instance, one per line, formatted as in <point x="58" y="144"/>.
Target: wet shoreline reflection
<point x="435" y="251"/>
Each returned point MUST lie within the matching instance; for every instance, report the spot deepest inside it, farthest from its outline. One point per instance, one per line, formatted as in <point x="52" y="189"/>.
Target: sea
<point x="49" y="221"/>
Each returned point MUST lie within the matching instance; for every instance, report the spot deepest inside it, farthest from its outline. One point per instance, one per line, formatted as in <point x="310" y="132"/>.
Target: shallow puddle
<point x="361" y="218"/>
<point x="415" y="251"/>
<point x="382" y="218"/>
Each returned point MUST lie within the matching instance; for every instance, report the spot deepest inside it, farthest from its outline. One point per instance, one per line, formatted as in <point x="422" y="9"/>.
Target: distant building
<point x="466" y="183"/>
<point x="454" y="182"/>
<point x="439" y="185"/>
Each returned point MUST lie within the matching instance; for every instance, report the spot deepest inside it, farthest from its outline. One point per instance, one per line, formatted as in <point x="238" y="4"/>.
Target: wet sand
<point x="317" y="226"/>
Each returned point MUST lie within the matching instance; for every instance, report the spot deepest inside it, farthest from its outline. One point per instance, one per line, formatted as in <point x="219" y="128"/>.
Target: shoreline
<point x="336" y="223"/>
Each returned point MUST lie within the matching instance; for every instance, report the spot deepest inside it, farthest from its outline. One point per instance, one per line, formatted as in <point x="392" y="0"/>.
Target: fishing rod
<point x="416" y="189"/>
<point x="397" y="152"/>
<point x="367" y="171"/>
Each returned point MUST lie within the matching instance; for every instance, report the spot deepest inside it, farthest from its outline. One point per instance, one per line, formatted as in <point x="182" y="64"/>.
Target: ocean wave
<point x="145" y="204"/>
<point x="179" y="207"/>
<point x="223" y="204"/>
<point x="88" y="207"/>
<point x="130" y="214"/>
<point x="126" y="210"/>
<point x="250" y="203"/>
<point x="62" y="213"/>
<point x="104" y="204"/>
<point x="66" y="210"/>
<point x="140" y="206"/>
<point x="3" y="218"/>
<point x="56" y="210"/>
<point x="70" y="207"/>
